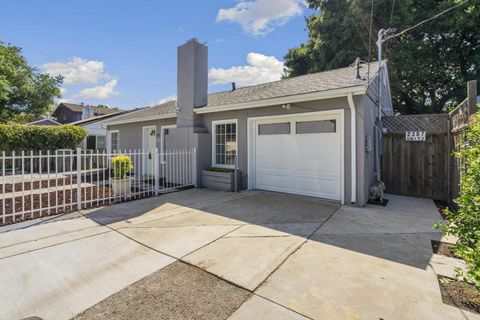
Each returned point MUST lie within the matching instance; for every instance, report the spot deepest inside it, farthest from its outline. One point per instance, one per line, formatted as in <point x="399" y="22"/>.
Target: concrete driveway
<point x="251" y="255"/>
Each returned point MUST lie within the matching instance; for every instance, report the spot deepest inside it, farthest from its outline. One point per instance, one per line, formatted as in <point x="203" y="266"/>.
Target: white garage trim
<point x="251" y="135"/>
<point x="353" y="131"/>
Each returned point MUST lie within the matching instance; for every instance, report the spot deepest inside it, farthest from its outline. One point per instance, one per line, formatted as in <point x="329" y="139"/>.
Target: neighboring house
<point x="44" y="122"/>
<point x="311" y="135"/>
<point x="70" y="112"/>
<point x="97" y="133"/>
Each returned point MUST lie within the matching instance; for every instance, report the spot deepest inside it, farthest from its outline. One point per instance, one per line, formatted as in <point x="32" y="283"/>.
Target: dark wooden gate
<point x="417" y="168"/>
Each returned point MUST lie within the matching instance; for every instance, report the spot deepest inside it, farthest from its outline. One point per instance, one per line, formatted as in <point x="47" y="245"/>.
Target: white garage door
<point x="299" y="155"/>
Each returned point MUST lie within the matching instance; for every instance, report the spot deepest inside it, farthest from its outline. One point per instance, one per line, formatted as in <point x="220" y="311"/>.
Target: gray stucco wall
<point x="131" y="137"/>
<point x="131" y="133"/>
<point x="303" y="107"/>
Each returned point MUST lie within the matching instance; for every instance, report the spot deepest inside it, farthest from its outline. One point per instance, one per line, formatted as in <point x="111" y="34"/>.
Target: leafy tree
<point x="24" y="89"/>
<point x="428" y="65"/>
<point x="465" y="222"/>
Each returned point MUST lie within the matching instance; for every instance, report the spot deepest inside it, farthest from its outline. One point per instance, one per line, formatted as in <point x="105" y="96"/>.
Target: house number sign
<point x="415" y="135"/>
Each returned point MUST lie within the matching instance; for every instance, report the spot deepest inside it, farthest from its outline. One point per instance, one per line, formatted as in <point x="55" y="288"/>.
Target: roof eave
<point x="159" y="117"/>
<point x="319" y="95"/>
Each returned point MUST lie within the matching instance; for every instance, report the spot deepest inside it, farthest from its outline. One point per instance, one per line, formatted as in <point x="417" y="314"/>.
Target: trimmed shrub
<point x="15" y="137"/>
<point x="121" y="165"/>
<point x="465" y="222"/>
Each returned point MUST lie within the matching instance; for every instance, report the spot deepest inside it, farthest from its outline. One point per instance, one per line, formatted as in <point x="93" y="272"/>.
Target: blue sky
<point x="123" y="53"/>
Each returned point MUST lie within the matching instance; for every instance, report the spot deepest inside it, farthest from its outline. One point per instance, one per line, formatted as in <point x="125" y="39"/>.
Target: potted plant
<point x="120" y="178"/>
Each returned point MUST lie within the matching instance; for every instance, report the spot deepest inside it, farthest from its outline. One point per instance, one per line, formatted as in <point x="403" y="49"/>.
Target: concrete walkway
<point x="298" y="257"/>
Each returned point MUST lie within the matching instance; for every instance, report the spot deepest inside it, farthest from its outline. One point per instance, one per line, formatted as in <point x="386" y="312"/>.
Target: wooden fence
<point x="426" y="168"/>
<point x="416" y="168"/>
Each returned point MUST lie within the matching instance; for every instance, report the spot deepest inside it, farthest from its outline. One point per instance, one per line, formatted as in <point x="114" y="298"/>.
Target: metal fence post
<point x="79" y="179"/>
<point x="156" y="173"/>
<point x="194" y="167"/>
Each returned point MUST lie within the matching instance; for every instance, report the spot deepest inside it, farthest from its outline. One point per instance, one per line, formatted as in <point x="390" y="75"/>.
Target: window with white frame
<point x="224" y="143"/>
<point x="114" y="140"/>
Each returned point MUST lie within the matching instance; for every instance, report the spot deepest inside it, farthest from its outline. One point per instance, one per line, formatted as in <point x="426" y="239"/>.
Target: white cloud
<point x="260" y="69"/>
<point x="166" y="99"/>
<point x="78" y="70"/>
<point x="259" y="17"/>
<point x="102" y="91"/>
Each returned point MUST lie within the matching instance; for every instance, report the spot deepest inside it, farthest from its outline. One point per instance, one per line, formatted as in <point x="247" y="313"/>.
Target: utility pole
<point x="382" y="37"/>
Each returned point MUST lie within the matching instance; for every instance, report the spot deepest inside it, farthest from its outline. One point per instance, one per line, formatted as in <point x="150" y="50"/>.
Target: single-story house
<point x="71" y="112"/>
<point x="311" y="135"/>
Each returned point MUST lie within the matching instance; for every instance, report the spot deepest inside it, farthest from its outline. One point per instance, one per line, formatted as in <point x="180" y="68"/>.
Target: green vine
<point x="464" y="223"/>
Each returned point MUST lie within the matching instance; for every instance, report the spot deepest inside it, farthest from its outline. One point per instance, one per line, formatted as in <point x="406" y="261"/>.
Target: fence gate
<point x="416" y="159"/>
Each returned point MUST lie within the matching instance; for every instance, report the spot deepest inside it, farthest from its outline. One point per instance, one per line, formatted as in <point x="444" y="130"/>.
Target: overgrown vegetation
<point x="121" y="165"/>
<point x="15" y="137"/>
<point x="25" y="92"/>
<point x="465" y="222"/>
<point x="428" y="66"/>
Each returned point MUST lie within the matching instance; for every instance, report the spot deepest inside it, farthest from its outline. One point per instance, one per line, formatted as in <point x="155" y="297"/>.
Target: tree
<point x="428" y="65"/>
<point x="24" y="89"/>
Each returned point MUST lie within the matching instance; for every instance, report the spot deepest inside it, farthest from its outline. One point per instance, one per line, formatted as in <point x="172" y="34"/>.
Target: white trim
<point x="162" y="140"/>
<point x="253" y="121"/>
<point x="318" y="95"/>
<point x="145" y="160"/>
<point x="159" y="117"/>
<point x="214" y="124"/>
<point x="143" y="136"/>
<point x="336" y="93"/>
<point x="109" y="139"/>
<point x="353" y="129"/>
<point x="47" y="119"/>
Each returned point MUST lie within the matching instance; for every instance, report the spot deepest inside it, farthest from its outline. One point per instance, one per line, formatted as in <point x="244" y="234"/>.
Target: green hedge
<point x="15" y="137"/>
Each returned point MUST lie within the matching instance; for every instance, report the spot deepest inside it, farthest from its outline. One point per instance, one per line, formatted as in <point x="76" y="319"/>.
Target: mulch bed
<point x="27" y="185"/>
<point x="68" y="198"/>
<point x="177" y="292"/>
<point x="460" y="295"/>
<point x="444" y="249"/>
<point x="441" y="206"/>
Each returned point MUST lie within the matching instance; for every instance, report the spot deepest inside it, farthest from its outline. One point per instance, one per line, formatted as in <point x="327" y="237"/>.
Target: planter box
<point x="121" y="187"/>
<point x="220" y="180"/>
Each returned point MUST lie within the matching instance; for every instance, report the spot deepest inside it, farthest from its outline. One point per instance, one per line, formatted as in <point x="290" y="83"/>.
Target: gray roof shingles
<point x="97" y="110"/>
<point x="314" y="82"/>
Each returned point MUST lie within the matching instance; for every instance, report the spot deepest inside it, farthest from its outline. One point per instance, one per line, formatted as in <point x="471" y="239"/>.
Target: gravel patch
<point x="178" y="291"/>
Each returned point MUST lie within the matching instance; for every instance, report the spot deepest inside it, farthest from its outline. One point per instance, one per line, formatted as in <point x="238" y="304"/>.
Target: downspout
<point x="353" y="143"/>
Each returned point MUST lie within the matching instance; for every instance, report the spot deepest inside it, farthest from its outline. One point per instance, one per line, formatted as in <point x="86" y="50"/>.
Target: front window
<point x="101" y="143"/>
<point x="225" y="143"/>
<point x="114" y="140"/>
<point x="91" y="143"/>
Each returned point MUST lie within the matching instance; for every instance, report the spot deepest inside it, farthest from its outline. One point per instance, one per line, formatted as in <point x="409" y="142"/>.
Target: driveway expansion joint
<point x="303" y="242"/>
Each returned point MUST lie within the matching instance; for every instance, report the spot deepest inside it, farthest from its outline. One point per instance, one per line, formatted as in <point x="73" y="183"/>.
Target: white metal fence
<point x="36" y="184"/>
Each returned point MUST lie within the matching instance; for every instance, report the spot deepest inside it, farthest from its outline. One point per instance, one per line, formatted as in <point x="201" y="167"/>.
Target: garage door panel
<point x="305" y="164"/>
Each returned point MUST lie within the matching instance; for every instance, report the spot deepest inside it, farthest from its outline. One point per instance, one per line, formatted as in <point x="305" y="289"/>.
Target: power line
<point x="426" y="20"/>
<point x="390" y="22"/>
<point x="391" y="14"/>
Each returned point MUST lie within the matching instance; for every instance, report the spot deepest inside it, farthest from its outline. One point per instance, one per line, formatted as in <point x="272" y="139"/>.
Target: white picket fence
<point x="36" y="184"/>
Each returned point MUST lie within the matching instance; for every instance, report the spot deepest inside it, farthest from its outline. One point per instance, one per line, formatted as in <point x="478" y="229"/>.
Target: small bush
<point x="121" y="165"/>
<point x="465" y="222"/>
<point x="15" y="137"/>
